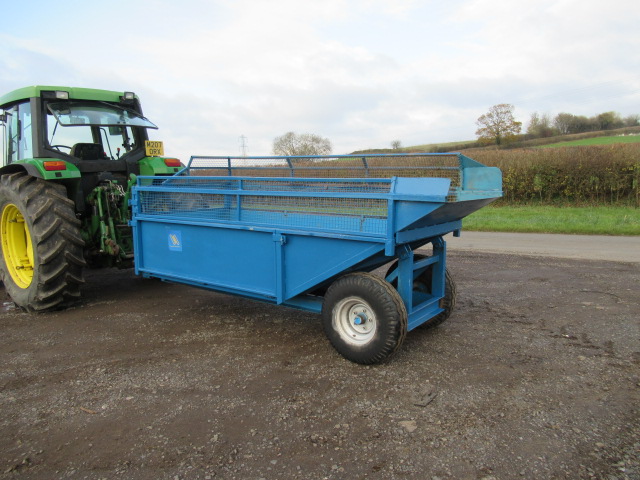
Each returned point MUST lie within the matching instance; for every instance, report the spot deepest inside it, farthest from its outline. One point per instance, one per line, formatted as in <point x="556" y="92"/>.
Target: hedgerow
<point x="593" y="175"/>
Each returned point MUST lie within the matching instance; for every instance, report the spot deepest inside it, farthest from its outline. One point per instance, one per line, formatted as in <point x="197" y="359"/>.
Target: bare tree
<point x="564" y="122"/>
<point x="567" y="123"/>
<point x="632" y="121"/>
<point x="292" y="143"/>
<point x="396" y="144"/>
<point x="534" y="121"/>
<point x="540" y="126"/>
<point x="498" y="124"/>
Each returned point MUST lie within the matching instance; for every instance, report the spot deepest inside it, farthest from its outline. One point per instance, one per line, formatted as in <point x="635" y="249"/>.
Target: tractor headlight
<point x="60" y="95"/>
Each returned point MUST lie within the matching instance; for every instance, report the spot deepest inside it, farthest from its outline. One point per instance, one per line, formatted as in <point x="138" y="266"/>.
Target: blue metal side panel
<point x="407" y="213"/>
<point x="233" y="259"/>
<point x="309" y="261"/>
<point x="480" y="182"/>
<point x="439" y="213"/>
<point x="429" y="189"/>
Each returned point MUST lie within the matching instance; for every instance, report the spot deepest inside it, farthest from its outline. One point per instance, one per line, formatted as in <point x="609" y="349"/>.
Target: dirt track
<point x="536" y="375"/>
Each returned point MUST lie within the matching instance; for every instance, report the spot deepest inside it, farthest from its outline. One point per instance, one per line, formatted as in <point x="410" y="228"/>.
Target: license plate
<point x="153" y="149"/>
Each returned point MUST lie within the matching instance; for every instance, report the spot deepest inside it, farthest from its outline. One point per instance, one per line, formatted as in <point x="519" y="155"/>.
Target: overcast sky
<point x="360" y="72"/>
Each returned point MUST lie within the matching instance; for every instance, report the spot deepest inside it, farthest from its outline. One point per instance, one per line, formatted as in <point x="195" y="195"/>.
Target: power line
<point x="243" y="145"/>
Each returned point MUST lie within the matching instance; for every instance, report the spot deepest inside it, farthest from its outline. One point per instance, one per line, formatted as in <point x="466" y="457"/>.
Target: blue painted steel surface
<point x="284" y="239"/>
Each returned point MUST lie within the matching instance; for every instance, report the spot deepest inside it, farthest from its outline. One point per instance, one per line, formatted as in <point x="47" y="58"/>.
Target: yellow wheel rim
<point x="17" y="248"/>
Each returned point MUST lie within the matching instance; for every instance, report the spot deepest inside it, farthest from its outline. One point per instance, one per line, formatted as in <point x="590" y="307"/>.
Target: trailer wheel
<point x="42" y="249"/>
<point x="423" y="284"/>
<point x="364" y="318"/>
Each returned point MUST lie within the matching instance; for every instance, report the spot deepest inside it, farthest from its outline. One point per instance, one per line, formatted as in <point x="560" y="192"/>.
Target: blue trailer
<point x="306" y="232"/>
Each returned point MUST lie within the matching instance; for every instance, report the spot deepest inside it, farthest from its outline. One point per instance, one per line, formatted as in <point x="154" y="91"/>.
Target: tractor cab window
<point x="17" y="136"/>
<point x="109" y="128"/>
<point x="63" y="139"/>
<point x="118" y="140"/>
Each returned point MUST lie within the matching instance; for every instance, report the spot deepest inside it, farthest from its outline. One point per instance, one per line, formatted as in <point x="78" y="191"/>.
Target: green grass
<point x="596" y="141"/>
<point x="546" y="219"/>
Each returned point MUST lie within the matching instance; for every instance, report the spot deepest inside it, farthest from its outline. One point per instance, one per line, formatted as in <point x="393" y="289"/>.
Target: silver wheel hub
<point x="354" y="320"/>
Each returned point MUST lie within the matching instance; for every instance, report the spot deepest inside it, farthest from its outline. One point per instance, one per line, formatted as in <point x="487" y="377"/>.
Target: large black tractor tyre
<point x="364" y="318"/>
<point x="42" y="249"/>
<point x="423" y="283"/>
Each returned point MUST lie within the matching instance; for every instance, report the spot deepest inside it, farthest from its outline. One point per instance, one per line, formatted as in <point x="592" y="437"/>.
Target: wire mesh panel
<point x="186" y="203"/>
<point x="255" y="184"/>
<point x="338" y="166"/>
<point x="345" y="206"/>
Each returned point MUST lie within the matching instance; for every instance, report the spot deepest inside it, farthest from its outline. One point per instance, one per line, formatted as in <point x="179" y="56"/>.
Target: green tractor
<point x="69" y="159"/>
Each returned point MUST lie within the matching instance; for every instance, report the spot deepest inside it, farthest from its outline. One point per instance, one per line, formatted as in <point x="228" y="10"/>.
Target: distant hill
<point x="601" y="137"/>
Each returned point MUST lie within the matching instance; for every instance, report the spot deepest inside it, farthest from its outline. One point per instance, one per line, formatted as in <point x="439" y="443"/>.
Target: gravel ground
<point x="536" y="375"/>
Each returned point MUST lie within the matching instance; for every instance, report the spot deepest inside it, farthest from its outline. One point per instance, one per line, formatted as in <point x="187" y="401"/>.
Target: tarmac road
<point x="581" y="247"/>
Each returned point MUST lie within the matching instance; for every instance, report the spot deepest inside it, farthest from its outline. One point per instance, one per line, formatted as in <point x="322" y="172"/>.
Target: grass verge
<point x="551" y="219"/>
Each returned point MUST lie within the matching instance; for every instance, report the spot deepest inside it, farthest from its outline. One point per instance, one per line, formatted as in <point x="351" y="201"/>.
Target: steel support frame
<point x="421" y="307"/>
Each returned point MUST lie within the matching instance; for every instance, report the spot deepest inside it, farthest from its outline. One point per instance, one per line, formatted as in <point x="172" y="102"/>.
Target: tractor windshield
<point x="97" y="114"/>
<point x="103" y="130"/>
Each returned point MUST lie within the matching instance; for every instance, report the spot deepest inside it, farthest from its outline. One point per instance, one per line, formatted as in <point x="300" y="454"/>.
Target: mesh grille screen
<point x="408" y="165"/>
<point x="285" y="203"/>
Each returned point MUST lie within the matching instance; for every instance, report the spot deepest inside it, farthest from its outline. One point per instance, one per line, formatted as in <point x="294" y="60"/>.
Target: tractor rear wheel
<point x="42" y="249"/>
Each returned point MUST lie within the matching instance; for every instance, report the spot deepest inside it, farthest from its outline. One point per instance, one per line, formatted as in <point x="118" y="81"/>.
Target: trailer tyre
<point x="42" y="249"/>
<point x="364" y="318"/>
<point x="423" y="283"/>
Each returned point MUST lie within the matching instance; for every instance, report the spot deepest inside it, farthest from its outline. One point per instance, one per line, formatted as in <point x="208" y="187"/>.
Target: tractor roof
<point x="74" y="93"/>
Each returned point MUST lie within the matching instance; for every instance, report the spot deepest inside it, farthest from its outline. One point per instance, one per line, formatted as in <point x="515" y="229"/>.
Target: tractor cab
<point x="78" y="137"/>
<point x="72" y="124"/>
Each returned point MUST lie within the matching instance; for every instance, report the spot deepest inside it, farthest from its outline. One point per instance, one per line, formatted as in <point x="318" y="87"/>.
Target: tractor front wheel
<point x="42" y="249"/>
